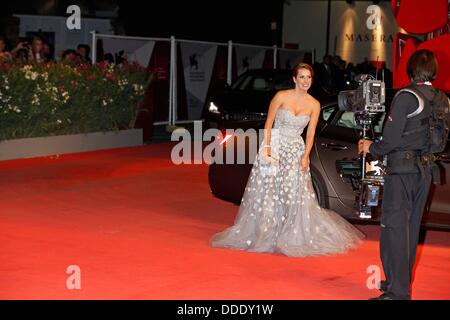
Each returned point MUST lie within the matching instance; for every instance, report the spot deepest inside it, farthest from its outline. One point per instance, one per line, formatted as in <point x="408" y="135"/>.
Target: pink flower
<point x="110" y="76"/>
<point x="103" y="65"/>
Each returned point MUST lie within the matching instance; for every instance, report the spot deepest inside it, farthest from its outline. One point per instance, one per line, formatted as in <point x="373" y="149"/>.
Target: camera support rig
<point x="374" y="98"/>
<point x="369" y="189"/>
<point x="366" y="101"/>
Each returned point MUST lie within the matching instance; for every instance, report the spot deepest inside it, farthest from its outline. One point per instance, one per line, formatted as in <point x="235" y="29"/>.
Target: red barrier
<point x="421" y="17"/>
<point x="404" y="47"/>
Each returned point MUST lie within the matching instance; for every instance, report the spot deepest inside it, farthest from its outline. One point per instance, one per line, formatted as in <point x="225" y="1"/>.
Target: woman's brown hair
<point x="302" y="65"/>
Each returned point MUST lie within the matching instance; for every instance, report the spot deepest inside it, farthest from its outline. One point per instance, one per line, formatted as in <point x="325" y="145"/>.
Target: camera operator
<point x="406" y="143"/>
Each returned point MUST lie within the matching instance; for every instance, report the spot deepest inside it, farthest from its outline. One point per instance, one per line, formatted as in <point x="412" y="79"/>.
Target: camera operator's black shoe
<point x="382" y="286"/>
<point x="384" y="296"/>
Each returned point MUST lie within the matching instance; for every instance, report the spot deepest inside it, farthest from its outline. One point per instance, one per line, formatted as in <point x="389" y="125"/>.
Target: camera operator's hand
<point x="363" y="146"/>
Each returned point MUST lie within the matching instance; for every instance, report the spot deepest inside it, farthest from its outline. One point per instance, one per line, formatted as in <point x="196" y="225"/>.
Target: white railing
<point x="173" y="63"/>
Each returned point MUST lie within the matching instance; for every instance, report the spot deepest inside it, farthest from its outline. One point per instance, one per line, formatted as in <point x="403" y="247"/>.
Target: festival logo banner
<point x="290" y="58"/>
<point x="249" y="58"/>
<point x="198" y="63"/>
<point x="139" y="51"/>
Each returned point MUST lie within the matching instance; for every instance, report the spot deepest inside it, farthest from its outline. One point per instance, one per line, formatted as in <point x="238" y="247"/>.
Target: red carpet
<point x="139" y="226"/>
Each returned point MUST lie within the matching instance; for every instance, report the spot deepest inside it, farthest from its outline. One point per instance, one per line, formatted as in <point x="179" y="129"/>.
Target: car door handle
<point x="334" y="146"/>
<point x="445" y="158"/>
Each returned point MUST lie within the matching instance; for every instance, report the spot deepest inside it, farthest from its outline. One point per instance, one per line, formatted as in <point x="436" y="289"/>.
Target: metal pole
<point x="113" y="36"/>
<point x="252" y="45"/>
<point x="230" y="63"/>
<point x="328" y="27"/>
<point x="94" y="48"/>
<point x="205" y="42"/>
<point x="275" y="56"/>
<point x="175" y="84"/>
<point x="363" y="164"/>
<point x="171" y="83"/>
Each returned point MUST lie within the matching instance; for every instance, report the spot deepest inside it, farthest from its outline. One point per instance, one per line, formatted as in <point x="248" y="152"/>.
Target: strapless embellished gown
<point x="279" y="210"/>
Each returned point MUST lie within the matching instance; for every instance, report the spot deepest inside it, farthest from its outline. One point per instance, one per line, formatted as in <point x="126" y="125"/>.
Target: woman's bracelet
<point x="267" y="146"/>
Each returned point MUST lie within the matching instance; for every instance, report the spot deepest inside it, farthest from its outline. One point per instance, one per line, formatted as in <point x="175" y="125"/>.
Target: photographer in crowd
<point x="36" y="51"/>
<point x="407" y="142"/>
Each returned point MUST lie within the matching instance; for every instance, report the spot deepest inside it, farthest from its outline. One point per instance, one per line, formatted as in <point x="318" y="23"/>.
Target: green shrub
<point x="38" y="100"/>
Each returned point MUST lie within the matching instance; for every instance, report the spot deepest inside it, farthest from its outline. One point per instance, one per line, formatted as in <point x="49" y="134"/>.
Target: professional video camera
<point x="366" y="102"/>
<point x="368" y="98"/>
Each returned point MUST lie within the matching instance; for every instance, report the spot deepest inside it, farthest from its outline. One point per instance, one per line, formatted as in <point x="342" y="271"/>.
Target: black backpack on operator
<point x="438" y="124"/>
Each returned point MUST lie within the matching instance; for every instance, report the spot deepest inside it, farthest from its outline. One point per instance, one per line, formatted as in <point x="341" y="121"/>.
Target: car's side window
<point x="259" y="84"/>
<point x="378" y="123"/>
<point x="283" y="85"/>
<point x="347" y="120"/>
<point x="244" y="85"/>
<point x="327" y="113"/>
<point x="283" y="82"/>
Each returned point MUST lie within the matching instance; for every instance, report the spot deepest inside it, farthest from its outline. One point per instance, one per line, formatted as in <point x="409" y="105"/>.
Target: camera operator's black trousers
<point x="404" y="199"/>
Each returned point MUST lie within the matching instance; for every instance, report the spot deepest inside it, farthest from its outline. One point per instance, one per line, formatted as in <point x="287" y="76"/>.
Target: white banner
<point x="249" y="58"/>
<point x="290" y="58"/>
<point x="198" y="63"/>
<point x="139" y="51"/>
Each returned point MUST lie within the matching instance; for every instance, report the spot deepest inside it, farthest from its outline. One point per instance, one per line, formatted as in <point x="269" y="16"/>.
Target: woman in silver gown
<point x="279" y="210"/>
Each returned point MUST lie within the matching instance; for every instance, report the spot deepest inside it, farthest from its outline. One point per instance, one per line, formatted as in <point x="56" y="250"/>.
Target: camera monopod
<point x="366" y="196"/>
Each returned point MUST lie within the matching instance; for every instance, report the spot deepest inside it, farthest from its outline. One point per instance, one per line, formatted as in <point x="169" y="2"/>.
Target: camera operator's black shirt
<point x="403" y="104"/>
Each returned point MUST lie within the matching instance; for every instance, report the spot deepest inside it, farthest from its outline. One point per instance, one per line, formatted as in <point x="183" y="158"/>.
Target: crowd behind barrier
<point x="333" y="73"/>
<point x="169" y="100"/>
<point x="37" y="50"/>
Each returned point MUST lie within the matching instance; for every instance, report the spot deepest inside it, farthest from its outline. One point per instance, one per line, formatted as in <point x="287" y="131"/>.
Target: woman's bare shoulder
<point x="314" y="103"/>
<point x="284" y="93"/>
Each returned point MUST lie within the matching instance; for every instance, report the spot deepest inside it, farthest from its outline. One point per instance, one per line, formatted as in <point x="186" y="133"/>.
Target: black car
<point x="244" y="104"/>
<point x="334" y="161"/>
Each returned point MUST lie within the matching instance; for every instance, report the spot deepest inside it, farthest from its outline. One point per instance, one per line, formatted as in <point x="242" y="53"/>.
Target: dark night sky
<point x="213" y="20"/>
<point x="246" y="21"/>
